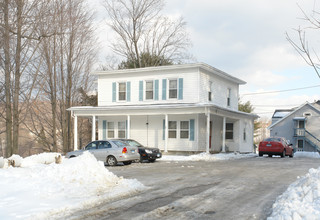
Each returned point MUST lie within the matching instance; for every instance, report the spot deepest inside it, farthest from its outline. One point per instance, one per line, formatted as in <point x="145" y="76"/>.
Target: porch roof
<point x="159" y="109"/>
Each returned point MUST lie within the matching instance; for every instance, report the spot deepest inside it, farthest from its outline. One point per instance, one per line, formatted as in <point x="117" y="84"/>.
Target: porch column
<point x="128" y="126"/>
<point x="224" y="135"/>
<point x="166" y="134"/>
<point x="75" y="133"/>
<point x="93" y="129"/>
<point x="208" y="132"/>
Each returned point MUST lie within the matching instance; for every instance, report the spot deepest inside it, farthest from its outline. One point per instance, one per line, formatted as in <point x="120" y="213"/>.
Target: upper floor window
<point x="122" y="91"/>
<point x="173" y="88"/>
<point x="210" y="91"/>
<point x="229" y="131"/>
<point x="228" y="97"/>
<point x="149" y="89"/>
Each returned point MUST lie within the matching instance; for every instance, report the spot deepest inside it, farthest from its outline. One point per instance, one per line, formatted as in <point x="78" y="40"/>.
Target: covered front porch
<point x="183" y="127"/>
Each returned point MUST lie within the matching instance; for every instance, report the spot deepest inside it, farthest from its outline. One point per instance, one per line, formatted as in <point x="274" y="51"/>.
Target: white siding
<point x="190" y="85"/>
<point x="219" y="93"/>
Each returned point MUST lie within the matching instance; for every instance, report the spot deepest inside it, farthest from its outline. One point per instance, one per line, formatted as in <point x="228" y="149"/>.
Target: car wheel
<point x="283" y="153"/>
<point x="260" y="154"/>
<point x="127" y="162"/>
<point x="141" y="159"/>
<point x="291" y="155"/>
<point x="269" y="155"/>
<point x="111" y="161"/>
<point x="152" y="160"/>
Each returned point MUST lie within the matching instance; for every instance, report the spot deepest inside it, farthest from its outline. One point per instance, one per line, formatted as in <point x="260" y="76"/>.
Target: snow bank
<point x="207" y="157"/>
<point x="307" y="154"/>
<point x="301" y="200"/>
<point x="38" y="191"/>
<point x="43" y="158"/>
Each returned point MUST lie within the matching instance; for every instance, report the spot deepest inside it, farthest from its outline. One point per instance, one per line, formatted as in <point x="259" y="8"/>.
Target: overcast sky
<point x="247" y="39"/>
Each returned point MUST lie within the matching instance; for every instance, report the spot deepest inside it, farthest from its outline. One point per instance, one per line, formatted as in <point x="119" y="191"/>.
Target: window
<point x="229" y="131"/>
<point x="172" y="129"/>
<point x="210" y="91"/>
<point x="228" y="97"/>
<point x="110" y="129"/>
<point x="300" y="144"/>
<point x="91" y="146"/>
<point x="184" y="129"/>
<point x="122" y="91"/>
<point x="104" y="144"/>
<point x="121" y="129"/>
<point x="173" y="89"/>
<point x="149" y="89"/>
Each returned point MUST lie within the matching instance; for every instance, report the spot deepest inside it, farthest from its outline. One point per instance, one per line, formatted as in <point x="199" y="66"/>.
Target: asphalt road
<point x="234" y="189"/>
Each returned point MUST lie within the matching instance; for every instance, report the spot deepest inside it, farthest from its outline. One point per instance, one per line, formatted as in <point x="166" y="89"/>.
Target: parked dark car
<point x="110" y="151"/>
<point x="146" y="153"/>
<point x="275" y="146"/>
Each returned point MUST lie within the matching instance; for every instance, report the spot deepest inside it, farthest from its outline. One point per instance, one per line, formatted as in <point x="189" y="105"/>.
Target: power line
<point x="287" y="90"/>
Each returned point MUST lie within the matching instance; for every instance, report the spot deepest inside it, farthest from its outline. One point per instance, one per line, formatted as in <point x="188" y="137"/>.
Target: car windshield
<point x="134" y="143"/>
<point x="120" y="143"/>
<point x="272" y="139"/>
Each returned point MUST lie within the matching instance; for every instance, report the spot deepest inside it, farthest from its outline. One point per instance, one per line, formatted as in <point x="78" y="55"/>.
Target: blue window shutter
<point x="104" y="129"/>
<point x="114" y="92"/>
<point x="191" y="130"/>
<point x="128" y="91"/>
<point x="140" y="90"/>
<point x="156" y="89"/>
<point x="164" y="130"/>
<point x="164" y="89"/>
<point x="180" y="96"/>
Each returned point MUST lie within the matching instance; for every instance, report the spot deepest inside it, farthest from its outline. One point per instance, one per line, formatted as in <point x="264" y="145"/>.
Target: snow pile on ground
<point x="207" y="157"/>
<point x="301" y="200"/>
<point x="36" y="190"/>
<point x="307" y="154"/>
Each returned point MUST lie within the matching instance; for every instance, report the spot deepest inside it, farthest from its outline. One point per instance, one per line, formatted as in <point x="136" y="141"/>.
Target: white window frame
<point x="229" y="97"/>
<point x="146" y="89"/>
<point x="125" y="92"/>
<point x="171" y="130"/>
<point x="110" y="129"/>
<point x="176" y="89"/>
<point x="184" y="130"/>
<point x="122" y="129"/>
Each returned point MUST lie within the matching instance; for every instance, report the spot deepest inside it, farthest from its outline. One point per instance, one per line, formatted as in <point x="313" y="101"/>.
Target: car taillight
<point x="124" y="150"/>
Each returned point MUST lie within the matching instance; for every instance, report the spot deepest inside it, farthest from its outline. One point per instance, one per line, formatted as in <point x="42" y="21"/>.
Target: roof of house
<point x="295" y="110"/>
<point x="151" y="70"/>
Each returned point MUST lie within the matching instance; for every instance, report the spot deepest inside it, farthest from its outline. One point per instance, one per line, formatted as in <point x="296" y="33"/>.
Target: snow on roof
<point x="281" y="113"/>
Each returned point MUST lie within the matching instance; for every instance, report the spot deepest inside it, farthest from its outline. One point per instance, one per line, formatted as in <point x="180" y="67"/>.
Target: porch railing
<point x="299" y="132"/>
<point x="313" y="140"/>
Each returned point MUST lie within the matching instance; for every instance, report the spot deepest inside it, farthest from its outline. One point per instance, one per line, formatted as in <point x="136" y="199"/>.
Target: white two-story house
<point x="180" y="108"/>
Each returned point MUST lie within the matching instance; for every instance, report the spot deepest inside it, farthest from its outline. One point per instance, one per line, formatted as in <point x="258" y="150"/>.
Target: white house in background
<point x="180" y="108"/>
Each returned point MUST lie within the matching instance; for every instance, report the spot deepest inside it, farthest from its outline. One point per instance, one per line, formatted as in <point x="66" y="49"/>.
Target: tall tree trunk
<point x="16" y="93"/>
<point x="7" y="80"/>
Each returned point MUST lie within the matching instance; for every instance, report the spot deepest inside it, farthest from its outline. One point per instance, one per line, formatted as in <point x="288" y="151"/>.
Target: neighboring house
<point x="299" y="125"/>
<point x="181" y="108"/>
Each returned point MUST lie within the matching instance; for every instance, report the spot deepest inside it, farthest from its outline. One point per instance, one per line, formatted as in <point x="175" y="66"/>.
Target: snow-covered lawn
<point x="39" y="189"/>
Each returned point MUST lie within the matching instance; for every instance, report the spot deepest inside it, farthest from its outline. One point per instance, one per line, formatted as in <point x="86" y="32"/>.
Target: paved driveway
<point x="234" y="189"/>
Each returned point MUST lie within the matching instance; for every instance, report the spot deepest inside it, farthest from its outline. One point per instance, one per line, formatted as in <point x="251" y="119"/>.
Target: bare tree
<point x="68" y="58"/>
<point x="141" y="29"/>
<point x="301" y="45"/>
<point x="20" y="37"/>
